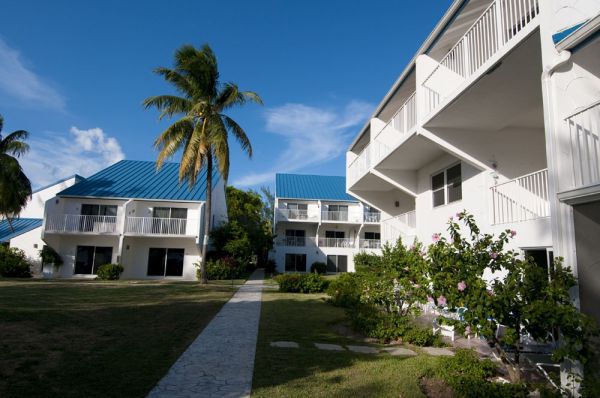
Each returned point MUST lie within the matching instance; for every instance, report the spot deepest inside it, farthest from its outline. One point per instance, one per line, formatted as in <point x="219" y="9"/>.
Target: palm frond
<point x="230" y="96"/>
<point x="1" y="123"/>
<point x="181" y="82"/>
<point x="170" y="140"/>
<point x="168" y="104"/>
<point x="239" y="134"/>
<point x="219" y="141"/>
<point x="14" y="143"/>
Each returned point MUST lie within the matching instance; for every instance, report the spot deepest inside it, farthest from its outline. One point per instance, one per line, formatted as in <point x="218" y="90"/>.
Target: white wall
<point x="66" y="246"/>
<point x="35" y="207"/>
<point x="31" y="243"/>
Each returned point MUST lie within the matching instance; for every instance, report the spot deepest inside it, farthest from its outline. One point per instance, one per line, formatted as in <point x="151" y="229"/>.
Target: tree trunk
<point x="207" y="218"/>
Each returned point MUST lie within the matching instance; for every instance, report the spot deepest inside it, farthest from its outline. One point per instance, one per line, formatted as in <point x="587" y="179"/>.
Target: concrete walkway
<point x="220" y="362"/>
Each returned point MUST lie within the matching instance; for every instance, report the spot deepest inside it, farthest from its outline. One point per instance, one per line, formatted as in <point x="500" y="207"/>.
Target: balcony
<point x="372" y="217"/>
<point x="76" y="223"/>
<point x="295" y="241"/>
<point x="155" y="226"/>
<point x="296" y="215"/>
<point x="402" y="123"/>
<point x="502" y="24"/>
<point x="370" y="243"/>
<point x="584" y="132"/>
<point x="524" y="198"/>
<point x="337" y="242"/>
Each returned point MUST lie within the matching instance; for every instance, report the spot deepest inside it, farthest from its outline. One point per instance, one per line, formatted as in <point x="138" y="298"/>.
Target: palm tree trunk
<point x="207" y="218"/>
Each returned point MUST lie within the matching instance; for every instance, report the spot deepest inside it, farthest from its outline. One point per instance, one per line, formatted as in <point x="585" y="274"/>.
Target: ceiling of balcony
<point x="413" y="154"/>
<point x="508" y="96"/>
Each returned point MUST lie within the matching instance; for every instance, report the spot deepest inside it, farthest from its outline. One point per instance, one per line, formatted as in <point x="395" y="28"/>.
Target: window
<point x="98" y="210"/>
<point x="89" y="258"/>
<point x="334" y="234"/>
<point x="297" y="211"/>
<point x="295" y="237"/>
<point x="165" y="262"/>
<point x="336" y="212"/>
<point x="337" y="263"/>
<point x="446" y="186"/>
<point x="169" y="220"/>
<point x="372" y="235"/>
<point x="101" y="218"/>
<point x="295" y="262"/>
<point x="542" y="257"/>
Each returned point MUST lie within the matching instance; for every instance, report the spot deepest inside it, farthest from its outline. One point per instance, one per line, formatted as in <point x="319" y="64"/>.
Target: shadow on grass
<point x="96" y="339"/>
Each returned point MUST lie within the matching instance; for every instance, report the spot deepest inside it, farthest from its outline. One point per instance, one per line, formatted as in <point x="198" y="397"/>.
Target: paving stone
<point x="220" y="362"/>
<point x="400" y="352"/>
<point x="329" y="347"/>
<point x="285" y="344"/>
<point x="438" y="351"/>
<point x="362" y="349"/>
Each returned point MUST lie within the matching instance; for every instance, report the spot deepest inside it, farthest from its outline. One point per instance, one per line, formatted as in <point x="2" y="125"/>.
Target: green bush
<point x="345" y="290"/>
<point x="366" y="261"/>
<point x="301" y="283"/>
<point x="13" y="263"/>
<point x="421" y="336"/>
<point x="318" y="267"/>
<point x="109" y="272"/>
<point x="221" y="268"/>
<point x="467" y="375"/>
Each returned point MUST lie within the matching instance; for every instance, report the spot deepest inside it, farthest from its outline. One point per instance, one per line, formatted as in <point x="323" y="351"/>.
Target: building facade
<point x="315" y="220"/>
<point x="133" y="215"/>
<point x="498" y="114"/>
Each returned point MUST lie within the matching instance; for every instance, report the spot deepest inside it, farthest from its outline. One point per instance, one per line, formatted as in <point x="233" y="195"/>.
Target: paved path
<point x="220" y="362"/>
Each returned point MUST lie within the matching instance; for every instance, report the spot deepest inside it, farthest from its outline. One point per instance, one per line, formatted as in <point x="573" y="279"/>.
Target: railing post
<point x="467" y="55"/>
<point x="499" y="24"/>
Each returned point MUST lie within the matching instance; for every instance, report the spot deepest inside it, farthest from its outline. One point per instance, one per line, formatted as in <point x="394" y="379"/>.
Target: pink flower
<point x="458" y="215"/>
<point x="512" y="233"/>
<point x="441" y="300"/>
<point x="493" y="255"/>
<point x="462" y="286"/>
<point x="435" y="237"/>
<point x="490" y="292"/>
<point x="468" y="330"/>
<point x="430" y="299"/>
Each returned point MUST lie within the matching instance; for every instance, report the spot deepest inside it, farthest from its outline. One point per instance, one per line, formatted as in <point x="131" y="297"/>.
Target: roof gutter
<point x="579" y="35"/>
<point x="439" y="28"/>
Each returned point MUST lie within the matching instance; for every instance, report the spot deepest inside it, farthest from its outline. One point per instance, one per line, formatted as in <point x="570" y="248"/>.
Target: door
<point x="331" y="264"/>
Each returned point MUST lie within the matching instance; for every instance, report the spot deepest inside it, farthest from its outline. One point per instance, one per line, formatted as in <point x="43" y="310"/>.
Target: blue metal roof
<point x="19" y="226"/>
<point x="563" y="34"/>
<point x="136" y="179"/>
<point x="304" y="186"/>
<point x="77" y="178"/>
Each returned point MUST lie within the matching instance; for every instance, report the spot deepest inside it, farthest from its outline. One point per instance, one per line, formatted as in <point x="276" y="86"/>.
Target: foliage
<point x="15" y="187"/>
<point x="521" y="298"/>
<point x="222" y="268"/>
<point x="202" y="132"/>
<point x="13" y="263"/>
<point x="365" y="261"/>
<point x="345" y="290"/>
<point x="467" y="375"/>
<point x="318" y="267"/>
<point x="50" y="256"/>
<point x="231" y="239"/>
<point x="301" y="283"/>
<point x="270" y="266"/>
<point x="109" y="272"/>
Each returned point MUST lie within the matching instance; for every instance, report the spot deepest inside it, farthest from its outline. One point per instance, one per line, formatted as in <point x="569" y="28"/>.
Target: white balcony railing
<point x="372" y="217"/>
<point x="336" y="242"/>
<point x="405" y="118"/>
<point x="161" y="226"/>
<point x="524" y="198"/>
<point x="370" y="244"/>
<point x="297" y="215"/>
<point x="334" y="215"/>
<point x="295" y="241"/>
<point x="584" y="132"/>
<point x="409" y="218"/>
<point x="495" y="28"/>
<point x="76" y="223"/>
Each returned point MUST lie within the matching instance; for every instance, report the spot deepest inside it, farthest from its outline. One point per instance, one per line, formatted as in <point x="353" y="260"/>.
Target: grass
<point x="309" y="372"/>
<point x="97" y="339"/>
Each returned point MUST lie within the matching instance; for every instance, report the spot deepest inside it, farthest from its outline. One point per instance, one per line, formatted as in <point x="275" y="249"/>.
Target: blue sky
<point x="74" y="74"/>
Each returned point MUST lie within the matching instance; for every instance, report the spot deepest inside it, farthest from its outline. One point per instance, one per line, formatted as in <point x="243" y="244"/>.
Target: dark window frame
<point x="448" y="187"/>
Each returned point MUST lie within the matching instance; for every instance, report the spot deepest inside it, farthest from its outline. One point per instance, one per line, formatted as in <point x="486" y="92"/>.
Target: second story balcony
<point x="296" y="215"/>
<point x="370" y="244"/>
<point x="84" y="224"/>
<point x="157" y="226"/>
<point x="372" y="217"/>
<point x="337" y="242"/>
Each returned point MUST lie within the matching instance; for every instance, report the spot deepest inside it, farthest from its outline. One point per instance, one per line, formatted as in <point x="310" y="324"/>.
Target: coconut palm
<point x="202" y="130"/>
<point x="15" y="187"/>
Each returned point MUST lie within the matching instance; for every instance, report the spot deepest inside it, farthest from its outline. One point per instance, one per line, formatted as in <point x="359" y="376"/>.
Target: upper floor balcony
<point x="499" y="28"/>
<point x="584" y="143"/>
<point x="310" y="214"/>
<point x="352" y="215"/>
<point x="81" y="224"/>
<point x="161" y="226"/>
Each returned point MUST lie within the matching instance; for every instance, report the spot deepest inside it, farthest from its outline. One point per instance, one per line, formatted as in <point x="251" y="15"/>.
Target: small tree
<point x="49" y="256"/>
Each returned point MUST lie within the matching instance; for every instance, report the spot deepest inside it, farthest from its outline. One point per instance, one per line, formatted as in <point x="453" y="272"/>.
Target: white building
<point x="25" y="233"/>
<point x="133" y="215"/>
<point x="317" y="221"/>
<point x="499" y="115"/>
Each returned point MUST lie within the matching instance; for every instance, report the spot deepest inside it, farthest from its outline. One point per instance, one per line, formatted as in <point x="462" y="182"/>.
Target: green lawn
<point x="97" y="339"/>
<point x="308" y="372"/>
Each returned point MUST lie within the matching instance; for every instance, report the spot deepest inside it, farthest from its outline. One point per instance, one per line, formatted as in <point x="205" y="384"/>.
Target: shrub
<point x="318" y="267"/>
<point x="366" y="261"/>
<point x="421" y="336"/>
<point x="222" y="268"/>
<point x="301" y="283"/>
<point x="50" y="256"/>
<point x="345" y="290"/>
<point x="109" y="272"/>
<point x="13" y="263"/>
<point x="270" y="266"/>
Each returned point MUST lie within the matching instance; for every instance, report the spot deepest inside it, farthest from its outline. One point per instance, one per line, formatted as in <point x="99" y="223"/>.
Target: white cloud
<point x="55" y="156"/>
<point x="312" y="136"/>
<point x="19" y="82"/>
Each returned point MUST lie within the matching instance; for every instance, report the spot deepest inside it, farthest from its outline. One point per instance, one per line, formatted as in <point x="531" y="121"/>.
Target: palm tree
<point x="202" y="131"/>
<point x="15" y="187"/>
